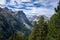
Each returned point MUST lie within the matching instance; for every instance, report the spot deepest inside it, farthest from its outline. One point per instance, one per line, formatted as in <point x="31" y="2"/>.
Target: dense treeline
<point x="54" y="25"/>
<point x="42" y="30"/>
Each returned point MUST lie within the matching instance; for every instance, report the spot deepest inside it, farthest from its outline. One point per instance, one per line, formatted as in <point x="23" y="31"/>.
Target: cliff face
<point x="12" y="22"/>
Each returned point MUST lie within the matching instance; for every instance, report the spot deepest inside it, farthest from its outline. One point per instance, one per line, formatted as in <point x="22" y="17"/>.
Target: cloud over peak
<point x="44" y="7"/>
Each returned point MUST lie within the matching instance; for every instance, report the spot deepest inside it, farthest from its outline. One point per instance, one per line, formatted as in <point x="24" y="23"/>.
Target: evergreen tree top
<point x="57" y="10"/>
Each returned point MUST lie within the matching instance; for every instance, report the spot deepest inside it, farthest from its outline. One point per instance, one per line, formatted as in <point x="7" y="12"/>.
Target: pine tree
<point x="39" y="31"/>
<point x="54" y="25"/>
<point x="43" y="28"/>
<point x="17" y="36"/>
<point x="32" y="36"/>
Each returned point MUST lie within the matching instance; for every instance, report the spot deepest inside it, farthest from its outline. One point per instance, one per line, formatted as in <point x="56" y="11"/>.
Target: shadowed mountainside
<point x="13" y="22"/>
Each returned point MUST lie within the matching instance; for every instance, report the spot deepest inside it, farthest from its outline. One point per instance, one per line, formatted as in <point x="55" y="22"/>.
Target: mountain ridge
<point x="11" y="23"/>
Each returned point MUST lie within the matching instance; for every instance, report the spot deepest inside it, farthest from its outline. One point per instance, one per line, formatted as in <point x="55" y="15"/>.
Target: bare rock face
<point x="11" y="23"/>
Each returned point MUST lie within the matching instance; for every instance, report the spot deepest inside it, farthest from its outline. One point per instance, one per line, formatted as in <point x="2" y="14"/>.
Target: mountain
<point x="34" y="18"/>
<point x="13" y="22"/>
<point x="21" y="16"/>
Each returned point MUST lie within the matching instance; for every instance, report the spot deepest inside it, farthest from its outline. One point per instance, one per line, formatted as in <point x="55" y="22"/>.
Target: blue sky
<point x="31" y="7"/>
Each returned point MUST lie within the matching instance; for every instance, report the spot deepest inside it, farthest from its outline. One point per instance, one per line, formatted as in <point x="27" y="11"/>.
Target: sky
<point x="31" y="7"/>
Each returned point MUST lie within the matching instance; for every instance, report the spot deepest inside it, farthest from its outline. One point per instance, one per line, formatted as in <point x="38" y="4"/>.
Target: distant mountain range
<point x="12" y="22"/>
<point x="34" y="18"/>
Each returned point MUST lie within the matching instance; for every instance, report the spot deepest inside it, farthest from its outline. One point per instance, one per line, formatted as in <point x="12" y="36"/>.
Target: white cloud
<point x="39" y="11"/>
<point x="26" y="0"/>
<point x="2" y="2"/>
<point x="47" y="2"/>
<point x="18" y="1"/>
<point x="54" y="4"/>
<point x="43" y="10"/>
<point x="19" y="4"/>
<point x="11" y="2"/>
<point x="29" y="4"/>
<point x="33" y="9"/>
